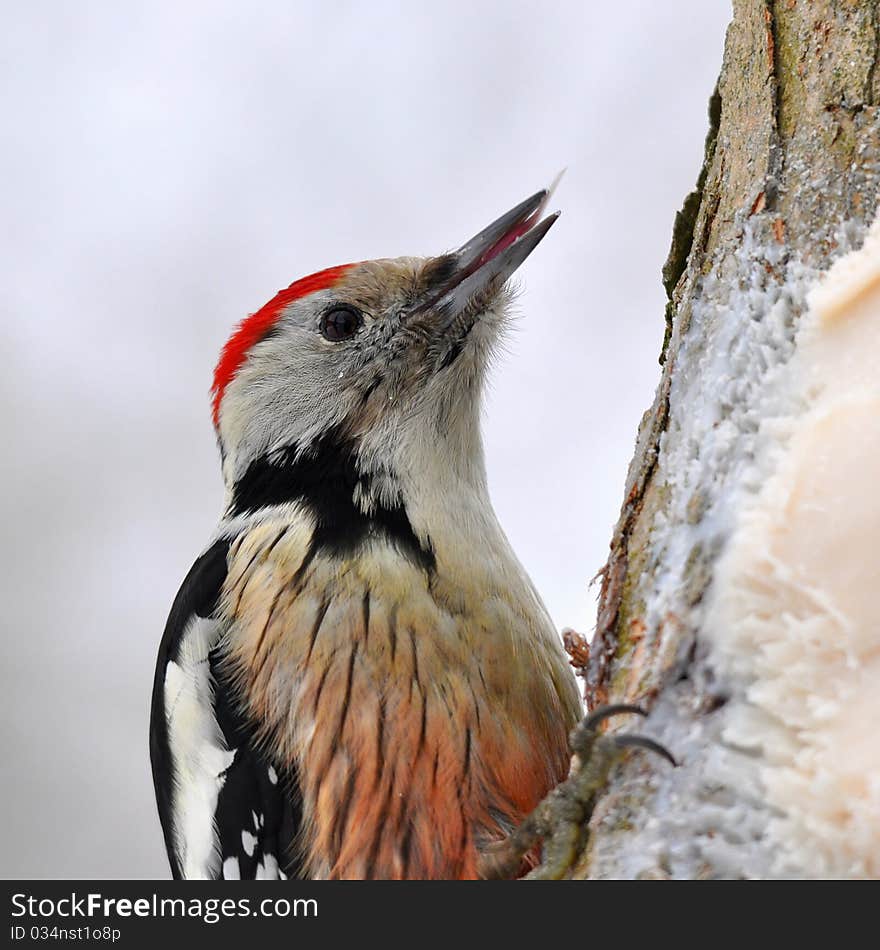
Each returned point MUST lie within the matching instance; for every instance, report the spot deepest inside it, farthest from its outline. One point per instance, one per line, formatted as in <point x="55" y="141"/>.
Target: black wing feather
<point x="258" y="798"/>
<point x="249" y="801"/>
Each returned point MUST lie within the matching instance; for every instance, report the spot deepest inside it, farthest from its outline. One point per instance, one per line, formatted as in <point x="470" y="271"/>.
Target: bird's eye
<point x="340" y="323"/>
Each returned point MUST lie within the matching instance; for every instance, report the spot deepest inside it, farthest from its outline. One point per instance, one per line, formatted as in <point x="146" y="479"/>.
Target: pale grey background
<point x="164" y="169"/>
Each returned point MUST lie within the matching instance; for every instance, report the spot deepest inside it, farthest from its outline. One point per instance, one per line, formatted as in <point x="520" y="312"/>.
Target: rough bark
<point x="789" y="183"/>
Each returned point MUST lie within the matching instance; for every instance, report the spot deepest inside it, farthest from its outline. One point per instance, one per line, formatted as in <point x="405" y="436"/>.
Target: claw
<point x="562" y="819"/>
<point x="643" y="742"/>
<point x="605" y="712"/>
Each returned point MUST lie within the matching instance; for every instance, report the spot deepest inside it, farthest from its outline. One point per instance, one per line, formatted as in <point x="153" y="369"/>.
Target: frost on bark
<point x="736" y="600"/>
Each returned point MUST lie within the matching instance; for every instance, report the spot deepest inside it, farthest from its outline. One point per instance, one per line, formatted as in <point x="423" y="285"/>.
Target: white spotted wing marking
<point x="267" y="869"/>
<point x="248" y="842"/>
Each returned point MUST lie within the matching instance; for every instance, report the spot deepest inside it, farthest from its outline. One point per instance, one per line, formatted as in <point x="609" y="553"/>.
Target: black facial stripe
<point x="452" y="354"/>
<point x="455" y="348"/>
<point x="324" y="479"/>
<point x="375" y="383"/>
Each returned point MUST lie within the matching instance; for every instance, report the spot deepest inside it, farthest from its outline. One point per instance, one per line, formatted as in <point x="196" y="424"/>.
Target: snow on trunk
<point x="791" y="623"/>
<point x="737" y="601"/>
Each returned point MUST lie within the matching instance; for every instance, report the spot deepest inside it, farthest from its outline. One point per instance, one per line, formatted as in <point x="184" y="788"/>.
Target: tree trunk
<point x="735" y="604"/>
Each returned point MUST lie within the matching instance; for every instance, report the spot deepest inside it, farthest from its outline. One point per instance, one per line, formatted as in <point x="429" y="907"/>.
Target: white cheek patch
<point x="199" y="755"/>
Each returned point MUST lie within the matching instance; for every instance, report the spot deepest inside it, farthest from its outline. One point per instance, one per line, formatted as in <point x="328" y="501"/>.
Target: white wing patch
<point x="199" y="755"/>
<point x="248" y="842"/>
<point x="267" y="870"/>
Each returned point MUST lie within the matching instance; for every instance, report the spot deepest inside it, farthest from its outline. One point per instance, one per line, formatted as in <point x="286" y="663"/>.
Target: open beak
<point x="489" y="258"/>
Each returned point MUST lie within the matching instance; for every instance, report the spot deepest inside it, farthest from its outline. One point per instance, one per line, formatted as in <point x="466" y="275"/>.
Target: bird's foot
<point x="560" y="821"/>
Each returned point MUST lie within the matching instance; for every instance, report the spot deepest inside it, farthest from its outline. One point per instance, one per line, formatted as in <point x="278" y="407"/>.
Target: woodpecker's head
<point x="382" y="357"/>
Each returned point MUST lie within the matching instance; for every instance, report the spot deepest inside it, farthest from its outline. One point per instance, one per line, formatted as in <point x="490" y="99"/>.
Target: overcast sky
<point x="165" y="168"/>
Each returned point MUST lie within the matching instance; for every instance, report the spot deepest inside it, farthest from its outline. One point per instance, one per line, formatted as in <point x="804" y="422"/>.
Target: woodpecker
<point x="357" y="678"/>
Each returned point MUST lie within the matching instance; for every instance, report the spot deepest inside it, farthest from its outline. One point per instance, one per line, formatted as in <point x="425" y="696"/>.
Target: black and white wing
<point x="226" y="810"/>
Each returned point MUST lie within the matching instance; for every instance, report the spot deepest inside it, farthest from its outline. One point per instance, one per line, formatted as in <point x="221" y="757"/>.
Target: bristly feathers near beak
<point x="490" y="257"/>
